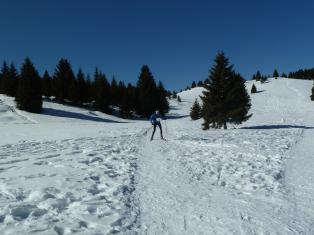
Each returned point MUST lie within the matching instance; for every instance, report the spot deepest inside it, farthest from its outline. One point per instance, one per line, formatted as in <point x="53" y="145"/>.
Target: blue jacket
<point x="153" y="118"/>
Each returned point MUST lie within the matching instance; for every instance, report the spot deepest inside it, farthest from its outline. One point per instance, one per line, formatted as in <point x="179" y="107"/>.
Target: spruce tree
<point x="200" y="84"/>
<point x="225" y="99"/>
<point x="63" y="79"/>
<point x="146" y="88"/>
<point x="12" y="81"/>
<point x="179" y="99"/>
<point x="162" y="101"/>
<point x="253" y="89"/>
<point x="174" y="95"/>
<point x="258" y="76"/>
<point x="101" y="92"/>
<point x="82" y="90"/>
<point x="29" y="96"/>
<point x="312" y="96"/>
<point x="114" y="92"/>
<point x="3" y="74"/>
<point x="196" y="111"/>
<point x="46" y="84"/>
<point x="5" y="79"/>
<point x="193" y="85"/>
<point x="126" y="106"/>
<point x="275" y="74"/>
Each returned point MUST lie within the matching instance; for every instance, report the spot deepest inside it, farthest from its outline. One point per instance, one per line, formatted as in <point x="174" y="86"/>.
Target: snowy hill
<point x="70" y="170"/>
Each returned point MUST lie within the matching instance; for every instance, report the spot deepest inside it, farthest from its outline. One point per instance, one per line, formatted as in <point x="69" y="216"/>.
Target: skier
<point x="155" y="121"/>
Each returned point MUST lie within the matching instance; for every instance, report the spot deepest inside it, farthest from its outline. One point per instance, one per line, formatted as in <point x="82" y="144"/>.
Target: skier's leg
<point x="153" y="132"/>
<point x="159" y="125"/>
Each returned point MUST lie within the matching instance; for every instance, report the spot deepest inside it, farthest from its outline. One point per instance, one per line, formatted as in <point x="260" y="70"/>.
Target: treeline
<point x="79" y="89"/>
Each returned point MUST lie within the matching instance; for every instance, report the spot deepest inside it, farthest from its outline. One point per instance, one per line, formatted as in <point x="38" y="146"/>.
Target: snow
<point x="74" y="171"/>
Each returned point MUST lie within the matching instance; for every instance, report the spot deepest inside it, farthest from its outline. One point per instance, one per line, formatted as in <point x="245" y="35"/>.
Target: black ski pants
<point x="160" y="128"/>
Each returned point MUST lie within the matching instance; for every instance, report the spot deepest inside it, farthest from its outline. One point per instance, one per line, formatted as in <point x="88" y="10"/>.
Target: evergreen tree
<point x="114" y="92"/>
<point x="225" y="98"/>
<point x="101" y="92"/>
<point x="174" y="94"/>
<point x="283" y="75"/>
<point x="82" y="89"/>
<point x="193" y="85"/>
<point x="312" y="96"/>
<point x="126" y="106"/>
<point x="29" y="95"/>
<point x="13" y="81"/>
<point x="73" y="94"/>
<point x="179" y="99"/>
<point x="3" y="76"/>
<point x="196" y="111"/>
<point x="146" y="86"/>
<point x="258" y="76"/>
<point x="253" y="89"/>
<point x="263" y="79"/>
<point x="46" y="84"/>
<point x="63" y="79"/>
<point x="162" y="101"/>
<point x="275" y="74"/>
<point x="200" y="84"/>
<point x="120" y="92"/>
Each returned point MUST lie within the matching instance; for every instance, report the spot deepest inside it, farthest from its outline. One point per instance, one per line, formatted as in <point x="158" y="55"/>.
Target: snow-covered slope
<point x="72" y="171"/>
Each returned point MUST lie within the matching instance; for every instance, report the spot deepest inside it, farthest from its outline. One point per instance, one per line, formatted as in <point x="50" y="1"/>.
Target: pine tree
<point x="29" y="96"/>
<point x="13" y="81"/>
<point x="3" y="74"/>
<point x="225" y="99"/>
<point x="174" y="95"/>
<point x="114" y="92"/>
<point x="82" y="90"/>
<point x="101" y="92"/>
<point x="73" y="94"/>
<point x="253" y="89"/>
<point x="283" y="75"/>
<point x="126" y="106"/>
<point x="263" y="79"/>
<point x="200" y="84"/>
<point x="193" y="85"/>
<point x="275" y="74"/>
<point x="258" y="76"/>
<point x="63" y="79"/>
<point x="179" y="99"/>
<point x="196" y="111"/>
<point x="162" y="101"/>
<point x="146" y="88"/>
<point x="46" y="84"/>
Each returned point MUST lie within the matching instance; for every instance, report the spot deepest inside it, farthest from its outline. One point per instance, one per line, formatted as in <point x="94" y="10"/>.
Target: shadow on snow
<point x="68" y="114"/>
<point x="268" y="127"/>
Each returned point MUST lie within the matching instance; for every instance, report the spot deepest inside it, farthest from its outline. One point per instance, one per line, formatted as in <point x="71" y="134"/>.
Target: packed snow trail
<point x="300" y="179"/>
<point x="234" y="181"/>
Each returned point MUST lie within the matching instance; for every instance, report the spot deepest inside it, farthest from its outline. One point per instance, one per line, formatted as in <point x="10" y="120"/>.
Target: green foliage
<point x="150" y="96"/>
<point x="196" y="111"/>
<point x="47" y="84"/>
<point x="29" y="96"/>
<point x="101" y="92"/>
<point x="275" y="74"/>
<point x="63" y="79"/>
<point x="253" y="89"/>
<point x="225" y="99"/>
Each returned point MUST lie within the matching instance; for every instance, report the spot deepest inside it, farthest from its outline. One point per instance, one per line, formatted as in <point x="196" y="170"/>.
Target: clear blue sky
<point x="177" y="39"/>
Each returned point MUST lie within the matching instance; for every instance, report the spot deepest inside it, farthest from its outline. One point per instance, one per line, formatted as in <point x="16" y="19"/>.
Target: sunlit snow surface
<point x="73" y="171"/>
